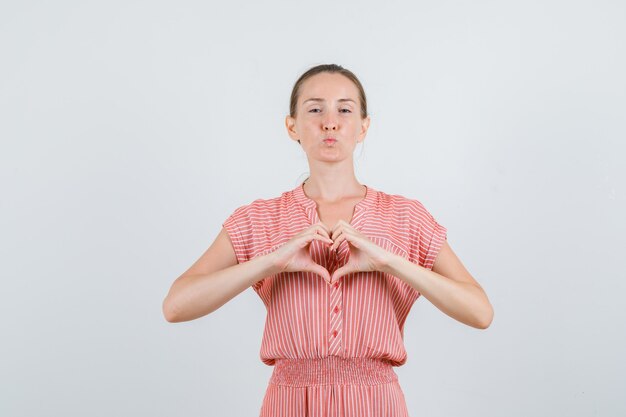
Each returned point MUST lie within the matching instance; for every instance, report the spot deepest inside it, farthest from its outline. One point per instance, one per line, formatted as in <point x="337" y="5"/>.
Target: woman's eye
<point x="342" y="110"/>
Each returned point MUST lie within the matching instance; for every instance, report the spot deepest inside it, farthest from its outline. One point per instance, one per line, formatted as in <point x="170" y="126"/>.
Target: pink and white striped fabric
<point x="333" y="347"/>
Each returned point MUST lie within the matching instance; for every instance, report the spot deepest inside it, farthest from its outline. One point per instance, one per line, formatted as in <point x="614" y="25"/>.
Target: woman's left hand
<point x="364" y="255"/>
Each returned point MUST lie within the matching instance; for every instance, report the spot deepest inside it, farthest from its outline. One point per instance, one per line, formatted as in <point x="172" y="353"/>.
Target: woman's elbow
<point x="170" y="312"/>
<point x="484" y="321"/>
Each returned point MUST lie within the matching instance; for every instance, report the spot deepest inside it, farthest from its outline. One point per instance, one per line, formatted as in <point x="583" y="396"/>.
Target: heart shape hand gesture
<point x="364" y="254"/>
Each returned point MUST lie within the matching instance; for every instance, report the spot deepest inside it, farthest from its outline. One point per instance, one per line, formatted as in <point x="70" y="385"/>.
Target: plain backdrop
<point x="130" y="130"/>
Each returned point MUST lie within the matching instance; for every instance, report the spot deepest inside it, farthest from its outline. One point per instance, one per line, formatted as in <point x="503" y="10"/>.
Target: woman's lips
<point x="330" y="140"/>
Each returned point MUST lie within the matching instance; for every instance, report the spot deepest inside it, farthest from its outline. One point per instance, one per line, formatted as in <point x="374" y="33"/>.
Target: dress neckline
<point x="310" y="205"/>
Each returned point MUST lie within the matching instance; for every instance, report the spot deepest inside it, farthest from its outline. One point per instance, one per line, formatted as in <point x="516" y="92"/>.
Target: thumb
<point x="321" y="271"/>
<point x="339" y="272"/>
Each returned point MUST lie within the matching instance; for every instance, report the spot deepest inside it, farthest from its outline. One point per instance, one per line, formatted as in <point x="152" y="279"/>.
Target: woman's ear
<point x="290" y="124"/>
<point x="365" y="124"/>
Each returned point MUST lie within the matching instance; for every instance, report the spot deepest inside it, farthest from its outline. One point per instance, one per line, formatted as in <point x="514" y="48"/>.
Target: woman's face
<point x="328" y="107"/>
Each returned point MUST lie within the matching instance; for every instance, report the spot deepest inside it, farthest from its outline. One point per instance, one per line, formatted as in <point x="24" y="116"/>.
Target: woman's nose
<point x="330" y="123"/>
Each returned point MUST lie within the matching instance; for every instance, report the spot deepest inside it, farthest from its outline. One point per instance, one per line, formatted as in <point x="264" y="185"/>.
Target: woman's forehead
<point x="331" y="87"/>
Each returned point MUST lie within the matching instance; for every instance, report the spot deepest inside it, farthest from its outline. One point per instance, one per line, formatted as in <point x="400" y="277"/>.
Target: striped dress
<point x="333" y="347"/>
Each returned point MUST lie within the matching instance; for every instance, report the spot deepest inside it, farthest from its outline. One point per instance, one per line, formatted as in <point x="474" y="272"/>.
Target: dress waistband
<point x="332" y="370"/>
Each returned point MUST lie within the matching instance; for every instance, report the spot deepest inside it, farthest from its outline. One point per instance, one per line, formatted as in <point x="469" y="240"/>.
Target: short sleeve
<point x="427" y="236"/>
<point x="248" y="235"/>
<point x="238" y="228"/>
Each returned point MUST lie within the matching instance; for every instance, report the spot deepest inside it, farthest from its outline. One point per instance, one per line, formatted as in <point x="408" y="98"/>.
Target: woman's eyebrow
<point x="321" y="99"/>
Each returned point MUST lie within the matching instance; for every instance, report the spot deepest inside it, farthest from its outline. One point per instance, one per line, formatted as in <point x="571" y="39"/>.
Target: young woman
<point x="338" y="265"/>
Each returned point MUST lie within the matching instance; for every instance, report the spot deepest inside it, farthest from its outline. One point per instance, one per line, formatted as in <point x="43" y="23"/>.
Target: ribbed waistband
<point x="332" y="370"/>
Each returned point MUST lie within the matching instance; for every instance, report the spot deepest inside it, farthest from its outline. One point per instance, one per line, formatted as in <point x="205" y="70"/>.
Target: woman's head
<point x="328" y="68"/>
<point x="328" y="101"/>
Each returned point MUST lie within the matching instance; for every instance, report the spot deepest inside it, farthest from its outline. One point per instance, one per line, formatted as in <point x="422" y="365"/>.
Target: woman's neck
<point x="334" y="191"/>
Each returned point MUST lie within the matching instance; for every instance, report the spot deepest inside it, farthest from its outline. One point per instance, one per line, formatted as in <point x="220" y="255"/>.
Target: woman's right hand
<point x="294" y="255"/>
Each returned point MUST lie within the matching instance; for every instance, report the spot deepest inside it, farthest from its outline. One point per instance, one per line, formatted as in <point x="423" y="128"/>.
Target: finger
<point x="337" y="241"/>
<point x="337" y="229"/>
<point x="322" y="229"/>
<point x="339" y="272"/>
<point x="321" y="271"/>
<point x="323" y="238"/>
<point x="314" y="236"/>
<point x="353" y="239"/>
<point x="340" y="228"/>
<point x="308" y="240"/>
<point x="322" y="226"/>
<point x="345" y="224"/>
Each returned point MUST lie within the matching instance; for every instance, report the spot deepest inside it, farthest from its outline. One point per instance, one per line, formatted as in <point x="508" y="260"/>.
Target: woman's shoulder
<point x="263" y="204"/>
<point x="399" y="201"/>
<point x="405" y="209"/>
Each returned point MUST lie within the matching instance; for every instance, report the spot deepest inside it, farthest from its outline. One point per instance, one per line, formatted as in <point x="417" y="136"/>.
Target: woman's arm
<point x="449" y="286"/>
<point x="213" y="280"/>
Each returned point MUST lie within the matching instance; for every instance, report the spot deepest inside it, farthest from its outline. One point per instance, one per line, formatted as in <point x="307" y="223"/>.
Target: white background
<point x="131" y="129"/>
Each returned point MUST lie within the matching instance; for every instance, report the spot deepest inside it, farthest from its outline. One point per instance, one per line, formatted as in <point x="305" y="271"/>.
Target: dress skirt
<point x="333" y="387"/>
